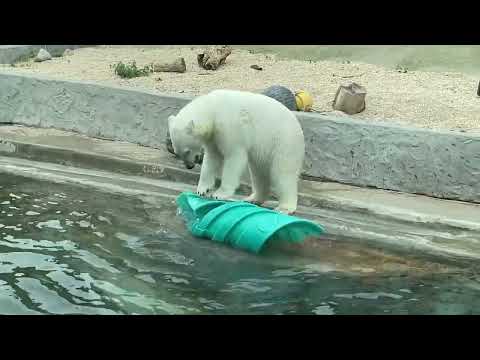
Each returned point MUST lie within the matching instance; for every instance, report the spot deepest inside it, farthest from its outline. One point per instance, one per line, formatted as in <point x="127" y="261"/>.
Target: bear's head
<point x="186" y="141"/>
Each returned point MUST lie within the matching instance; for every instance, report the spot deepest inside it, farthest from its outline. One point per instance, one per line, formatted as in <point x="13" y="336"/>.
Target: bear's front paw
<point x="204" y="191"/>
<point x="253" y="199"/>
<point x="222" y="195"/>
<point x="286" y="211"/>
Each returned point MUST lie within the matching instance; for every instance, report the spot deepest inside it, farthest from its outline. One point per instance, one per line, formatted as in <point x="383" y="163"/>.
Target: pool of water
<point x="72" y="250"/>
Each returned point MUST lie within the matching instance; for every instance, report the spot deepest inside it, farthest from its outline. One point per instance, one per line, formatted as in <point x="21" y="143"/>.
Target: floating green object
<point x="241" y="224"/>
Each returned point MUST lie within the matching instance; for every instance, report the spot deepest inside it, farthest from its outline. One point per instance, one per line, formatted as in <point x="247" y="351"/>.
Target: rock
<point x="68" y="52"/>
<point x="43" y="55"/>
<point x="478" y="90"/>
<point x="256" y="67"/>
<point x="350" y="99"/>
<point x="176" y="66"/>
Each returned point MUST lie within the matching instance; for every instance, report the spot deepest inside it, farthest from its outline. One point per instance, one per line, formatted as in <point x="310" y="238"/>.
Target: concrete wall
<point x="11" y="53"/>
<point x="440" y="164"/>
<point x="115" y="113"/>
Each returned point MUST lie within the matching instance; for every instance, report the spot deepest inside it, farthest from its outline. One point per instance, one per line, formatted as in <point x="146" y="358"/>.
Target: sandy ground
<point x="436" y="58"/>
<point x="435" y="100"/>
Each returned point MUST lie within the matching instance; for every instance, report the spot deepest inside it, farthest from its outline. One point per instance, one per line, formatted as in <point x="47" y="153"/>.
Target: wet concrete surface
<point x="374" y="217"/>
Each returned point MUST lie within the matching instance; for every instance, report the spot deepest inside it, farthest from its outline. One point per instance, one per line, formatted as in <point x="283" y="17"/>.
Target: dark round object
<point x="282" y="95"/>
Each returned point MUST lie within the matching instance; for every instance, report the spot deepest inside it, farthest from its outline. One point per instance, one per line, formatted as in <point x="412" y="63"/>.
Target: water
<point x="69" y="250"/>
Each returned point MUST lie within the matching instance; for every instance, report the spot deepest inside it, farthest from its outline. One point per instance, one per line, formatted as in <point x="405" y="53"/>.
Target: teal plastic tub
<point x="241" y="224"/>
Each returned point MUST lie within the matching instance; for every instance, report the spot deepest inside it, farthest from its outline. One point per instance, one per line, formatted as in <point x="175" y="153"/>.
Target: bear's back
<point x="261" y="108"/>
<point x="255" y="119"/>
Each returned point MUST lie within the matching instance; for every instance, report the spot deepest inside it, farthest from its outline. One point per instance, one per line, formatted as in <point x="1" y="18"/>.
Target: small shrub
<point x="128" y="71"/>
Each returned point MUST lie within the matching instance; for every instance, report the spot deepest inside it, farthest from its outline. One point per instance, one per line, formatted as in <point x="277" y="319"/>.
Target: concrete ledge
<point x="434" y="163"/>
<point x="11" y="53"/>
<point x="99" y="111"/>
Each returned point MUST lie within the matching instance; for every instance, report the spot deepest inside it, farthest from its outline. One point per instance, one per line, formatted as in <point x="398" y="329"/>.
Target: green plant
<point x="128" y="71"/>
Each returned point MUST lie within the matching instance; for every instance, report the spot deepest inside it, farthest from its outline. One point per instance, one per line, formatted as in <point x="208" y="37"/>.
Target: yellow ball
<point x="304" y="101"/>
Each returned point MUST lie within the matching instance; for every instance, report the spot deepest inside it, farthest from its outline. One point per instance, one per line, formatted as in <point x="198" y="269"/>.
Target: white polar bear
<point x="236" y="129"/>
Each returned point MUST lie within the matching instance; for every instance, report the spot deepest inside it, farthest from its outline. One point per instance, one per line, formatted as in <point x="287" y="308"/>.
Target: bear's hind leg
<point x="260" y="185"/>
<point x="286" y="187"/>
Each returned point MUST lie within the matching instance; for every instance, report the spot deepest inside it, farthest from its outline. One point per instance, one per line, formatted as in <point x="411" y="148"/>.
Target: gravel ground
<point x="435" y="100"/>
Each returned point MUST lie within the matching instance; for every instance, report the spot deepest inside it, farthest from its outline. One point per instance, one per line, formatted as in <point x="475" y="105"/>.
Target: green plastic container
<point x="241" y="224"/>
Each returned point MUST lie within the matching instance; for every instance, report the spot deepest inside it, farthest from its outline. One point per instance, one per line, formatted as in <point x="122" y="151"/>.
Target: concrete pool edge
<point x="436" y="163"/>
<point x="342" y="224"/>
<point x="381" y="218"/>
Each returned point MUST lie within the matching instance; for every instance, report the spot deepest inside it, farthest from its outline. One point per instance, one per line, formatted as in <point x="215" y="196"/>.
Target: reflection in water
<point x="66" y="250"/>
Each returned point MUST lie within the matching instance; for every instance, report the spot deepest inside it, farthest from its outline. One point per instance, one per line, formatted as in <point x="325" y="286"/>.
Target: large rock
<point x="350" y="99"/>
<point x="43" y="55"/>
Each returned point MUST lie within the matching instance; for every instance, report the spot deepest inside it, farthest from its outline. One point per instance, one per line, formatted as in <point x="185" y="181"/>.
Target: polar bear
<point x="237" y="129"/>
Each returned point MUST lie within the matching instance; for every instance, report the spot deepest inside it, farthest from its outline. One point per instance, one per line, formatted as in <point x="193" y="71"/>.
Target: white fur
<point x="237" y="129"/>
